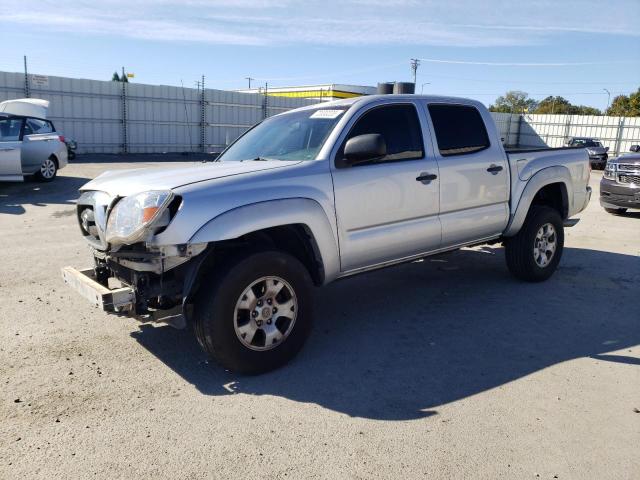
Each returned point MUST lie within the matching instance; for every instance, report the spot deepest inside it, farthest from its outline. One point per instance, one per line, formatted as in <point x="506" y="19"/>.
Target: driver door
<point x="386" y="210"/>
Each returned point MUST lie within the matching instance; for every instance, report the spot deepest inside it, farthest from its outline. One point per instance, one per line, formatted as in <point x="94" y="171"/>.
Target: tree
<point x="553" y="104"/>
<point x="584" y="110"/>
<point x="560" y="105"/>
<point x="119" y="78"/>
<point x="514" y="101"/>
<point x="625" y="106"/>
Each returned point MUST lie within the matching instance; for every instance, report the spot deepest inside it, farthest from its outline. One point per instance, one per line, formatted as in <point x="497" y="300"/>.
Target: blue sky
<point x="478" y="49"/>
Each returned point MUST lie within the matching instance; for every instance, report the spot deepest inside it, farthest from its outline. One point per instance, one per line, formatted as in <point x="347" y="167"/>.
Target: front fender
<point x="546" y="176"/>
<point x="274" y="213"/>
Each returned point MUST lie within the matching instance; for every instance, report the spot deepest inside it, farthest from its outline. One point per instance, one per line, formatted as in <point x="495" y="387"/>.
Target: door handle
<point x="426" y="177"/>
<point x="7" y="149"/>
<point x="494" y="169"/>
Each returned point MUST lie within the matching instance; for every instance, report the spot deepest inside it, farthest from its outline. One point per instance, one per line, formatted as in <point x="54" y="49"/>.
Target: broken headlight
<point x="131" y="219"/>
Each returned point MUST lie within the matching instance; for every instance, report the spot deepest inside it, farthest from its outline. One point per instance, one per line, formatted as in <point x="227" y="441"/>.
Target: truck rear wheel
<point x="254" y="314"/>
<point x="534" y="253"/>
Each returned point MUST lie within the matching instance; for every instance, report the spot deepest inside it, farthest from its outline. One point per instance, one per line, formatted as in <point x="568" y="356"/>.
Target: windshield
<point x="587" y="143"/>
<point x="291" y="136"/>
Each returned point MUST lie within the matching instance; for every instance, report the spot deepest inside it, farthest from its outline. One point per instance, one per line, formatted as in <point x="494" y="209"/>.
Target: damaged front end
<point x="130" y="275"/>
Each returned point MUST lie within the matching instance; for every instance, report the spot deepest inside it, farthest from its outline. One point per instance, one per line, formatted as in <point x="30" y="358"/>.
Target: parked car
<point x="29" y="143"/>
<point x="620" y="184"/>
<point x="598" y="154"/>
<point x="72" y="146"/>
<point x="310" y="196"/>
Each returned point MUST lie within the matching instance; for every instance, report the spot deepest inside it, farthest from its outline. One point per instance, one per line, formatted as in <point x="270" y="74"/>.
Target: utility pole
<point x="249" y="79"/>
<point x="27" y="93"/>
<point x="415" y="63"/>
<point x="608" y="98"/>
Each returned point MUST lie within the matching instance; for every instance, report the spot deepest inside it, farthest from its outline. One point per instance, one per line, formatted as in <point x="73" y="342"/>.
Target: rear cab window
<point x="459" y="129"/>
<point x="399" y="126"/>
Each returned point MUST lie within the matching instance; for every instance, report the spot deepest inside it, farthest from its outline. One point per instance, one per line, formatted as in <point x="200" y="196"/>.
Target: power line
<point x="523" y="64"/>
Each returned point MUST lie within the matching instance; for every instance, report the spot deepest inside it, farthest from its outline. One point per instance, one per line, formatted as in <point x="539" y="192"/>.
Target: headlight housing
<point x="130" y="220"/>
<point x="610" y="171"/>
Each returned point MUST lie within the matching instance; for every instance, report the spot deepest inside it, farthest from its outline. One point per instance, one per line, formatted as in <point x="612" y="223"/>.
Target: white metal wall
<point x="158" y="118"/>
<point x="617" y="133"/>
<point x="170" y="119"/>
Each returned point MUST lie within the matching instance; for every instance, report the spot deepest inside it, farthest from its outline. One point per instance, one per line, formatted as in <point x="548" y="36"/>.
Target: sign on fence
<point x="39" y="81"/>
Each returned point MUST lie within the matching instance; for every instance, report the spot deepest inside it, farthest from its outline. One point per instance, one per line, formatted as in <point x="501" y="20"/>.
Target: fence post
<point x="619" y="136"/>
<point x="508" y="135"/>
<point x="520" y="118"/>
<point x="27" y="92"/>
<point x="567" y="128"/>
<point x="265" y="102"/>
<point x="203" y="120"/>
<point x="125" y="147"/>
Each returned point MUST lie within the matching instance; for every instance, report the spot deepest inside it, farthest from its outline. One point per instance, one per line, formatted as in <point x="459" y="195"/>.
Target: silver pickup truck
<point x="233" y="247"/>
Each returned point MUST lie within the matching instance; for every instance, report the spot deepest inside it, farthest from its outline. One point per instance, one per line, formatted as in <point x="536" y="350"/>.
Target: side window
<point x="459" y="129"/>
<point x="35" y="126"/>
<point x="400" y="128"/>
<point x="10" y="129"/>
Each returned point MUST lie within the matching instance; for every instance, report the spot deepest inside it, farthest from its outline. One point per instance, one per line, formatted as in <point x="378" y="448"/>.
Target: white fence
<point x="114" y="117"/>
<point x="617" y="133"/>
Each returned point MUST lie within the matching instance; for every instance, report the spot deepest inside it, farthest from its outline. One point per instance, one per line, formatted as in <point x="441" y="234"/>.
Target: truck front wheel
<point x="534" y="253"/>
<point x="253" y="314"/>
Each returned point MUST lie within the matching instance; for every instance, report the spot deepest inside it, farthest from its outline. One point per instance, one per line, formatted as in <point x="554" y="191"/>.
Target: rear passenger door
<point x="474" y="174"/>
<point x="38" y="143"/>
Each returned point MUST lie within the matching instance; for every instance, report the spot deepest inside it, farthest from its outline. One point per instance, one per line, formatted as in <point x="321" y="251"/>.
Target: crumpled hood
<point x="131" y="181"/>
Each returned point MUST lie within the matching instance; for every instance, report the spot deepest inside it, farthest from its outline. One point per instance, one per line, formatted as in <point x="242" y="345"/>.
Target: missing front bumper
<point x="117" y="300"/>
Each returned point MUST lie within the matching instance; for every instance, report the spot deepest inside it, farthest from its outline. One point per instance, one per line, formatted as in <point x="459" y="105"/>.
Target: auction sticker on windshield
<point x="327" y="114"/>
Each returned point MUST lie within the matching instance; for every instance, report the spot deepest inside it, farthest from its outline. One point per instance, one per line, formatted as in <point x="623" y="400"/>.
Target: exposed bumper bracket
<point x="110" y="300"/>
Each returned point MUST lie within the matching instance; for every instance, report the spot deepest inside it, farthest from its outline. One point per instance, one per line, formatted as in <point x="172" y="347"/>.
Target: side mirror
<point x="364" y="148"/>
<point x="635" y="148"/>
<point x="606" y="149"/>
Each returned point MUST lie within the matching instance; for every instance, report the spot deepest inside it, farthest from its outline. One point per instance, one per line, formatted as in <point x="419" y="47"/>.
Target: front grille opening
<point x="632" y="179"/>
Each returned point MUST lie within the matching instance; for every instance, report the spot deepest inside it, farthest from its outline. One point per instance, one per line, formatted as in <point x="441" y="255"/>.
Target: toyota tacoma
<point x="233" y="247"/>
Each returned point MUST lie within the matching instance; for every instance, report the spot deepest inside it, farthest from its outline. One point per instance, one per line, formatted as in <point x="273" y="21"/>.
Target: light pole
<point x="608" y="99"/>
<point x="249" y="79"/>
<point x="422" y="86"/>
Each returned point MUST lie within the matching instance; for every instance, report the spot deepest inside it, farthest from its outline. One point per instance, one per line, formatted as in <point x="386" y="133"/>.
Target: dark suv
<point x="597" y="152"/>
<point x="620" y="184"/>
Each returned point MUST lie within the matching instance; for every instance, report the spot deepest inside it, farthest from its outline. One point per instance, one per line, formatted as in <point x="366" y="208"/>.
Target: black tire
<point x="615" y="211"/>
<point x="519" y="249"/>
<point x="215" y="307"/>
<point x="48" y="170"/>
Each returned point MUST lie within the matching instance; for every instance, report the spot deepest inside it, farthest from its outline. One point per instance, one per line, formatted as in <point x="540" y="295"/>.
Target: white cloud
<point x="315" y="22"/>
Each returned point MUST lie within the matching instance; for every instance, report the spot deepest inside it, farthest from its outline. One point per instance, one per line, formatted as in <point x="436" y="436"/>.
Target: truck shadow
<point x="396" y="344"/>
<point x="63" y="191"/>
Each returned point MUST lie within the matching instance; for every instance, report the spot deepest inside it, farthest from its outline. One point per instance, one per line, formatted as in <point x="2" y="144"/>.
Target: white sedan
<point x="29" y="143"/>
